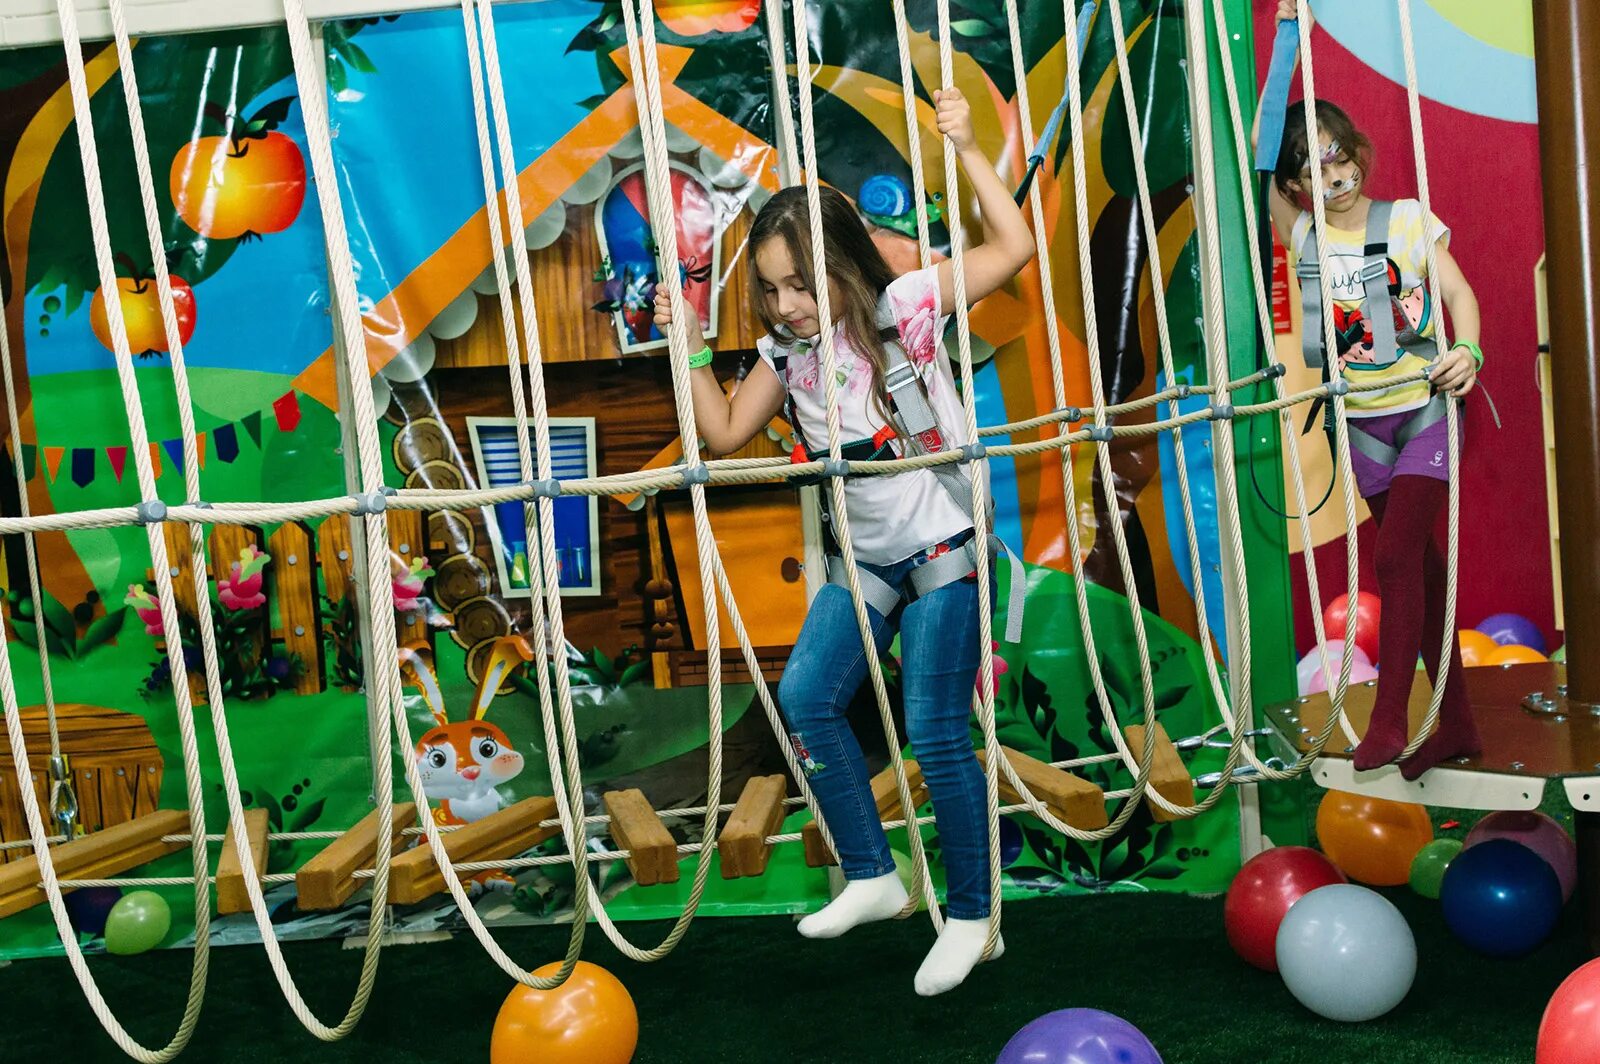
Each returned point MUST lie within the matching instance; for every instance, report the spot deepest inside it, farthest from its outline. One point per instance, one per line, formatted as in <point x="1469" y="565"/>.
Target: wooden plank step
<point x="885" y="795"/>
<point x="98" y="856"/>
<point x="635" y="827"/>
<point x="232" y="896"/>
<point x="1070" y="798"/>
<point x="328" y="880"/>
<point x="512" y="831"/>
<point x="757" y="815"/>
<point x="1169" y="777"/>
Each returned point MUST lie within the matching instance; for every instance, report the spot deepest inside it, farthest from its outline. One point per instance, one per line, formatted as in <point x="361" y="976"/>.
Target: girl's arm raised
<point x="725" y="422"/>
<point x="1284" y="213"/>
<point x="1007" y="242"/>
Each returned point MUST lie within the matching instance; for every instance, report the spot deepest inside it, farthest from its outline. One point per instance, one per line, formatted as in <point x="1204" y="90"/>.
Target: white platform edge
<point x="1454" y="787"/>
<point x="1583" y="793"/>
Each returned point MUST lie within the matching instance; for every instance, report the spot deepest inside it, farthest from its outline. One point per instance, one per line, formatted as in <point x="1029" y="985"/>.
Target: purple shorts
<point x="1427" y="454"/>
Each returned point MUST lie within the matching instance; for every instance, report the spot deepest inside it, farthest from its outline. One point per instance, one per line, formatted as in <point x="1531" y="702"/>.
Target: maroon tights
<point x="1411" y="583"/>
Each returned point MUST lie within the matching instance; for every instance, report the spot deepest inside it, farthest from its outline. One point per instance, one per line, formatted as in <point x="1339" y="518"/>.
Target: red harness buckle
<point x="883" y="436"/>
<point x="798" y="456"/>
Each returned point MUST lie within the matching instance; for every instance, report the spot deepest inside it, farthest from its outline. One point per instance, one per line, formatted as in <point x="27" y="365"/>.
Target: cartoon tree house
<point x="437" y="346"/>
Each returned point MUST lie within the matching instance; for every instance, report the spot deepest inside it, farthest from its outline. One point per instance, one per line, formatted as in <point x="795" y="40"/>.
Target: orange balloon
<point x="1372" y="840"/>
<point x="1475" y="647"/>
<point x="589" y="1019"/>
<point x="1514" y="654"/>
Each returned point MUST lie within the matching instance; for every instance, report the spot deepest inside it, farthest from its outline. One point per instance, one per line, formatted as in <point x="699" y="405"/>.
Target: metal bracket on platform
<point x="1443" y="786"/>
<point x="1583" y="792"/>
<point x="1556" y="706"/>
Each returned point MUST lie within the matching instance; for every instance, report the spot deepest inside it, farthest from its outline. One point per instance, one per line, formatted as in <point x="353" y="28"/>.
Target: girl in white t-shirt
<point x="898" y="524"/>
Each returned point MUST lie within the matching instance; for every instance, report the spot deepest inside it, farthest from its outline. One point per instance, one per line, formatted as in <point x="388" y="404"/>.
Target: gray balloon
<point x="1346" y="953"/>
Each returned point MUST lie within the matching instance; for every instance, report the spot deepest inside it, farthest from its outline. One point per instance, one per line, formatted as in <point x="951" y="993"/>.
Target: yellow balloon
<point x="589" y="1019"/>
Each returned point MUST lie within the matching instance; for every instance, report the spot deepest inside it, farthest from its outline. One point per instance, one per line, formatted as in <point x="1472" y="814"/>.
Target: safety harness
<point x="1392" y="333"/>
<point x="916" y="426"/>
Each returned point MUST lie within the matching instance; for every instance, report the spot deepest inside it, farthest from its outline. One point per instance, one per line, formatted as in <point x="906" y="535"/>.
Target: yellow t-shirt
<point x="1408" y="257"/>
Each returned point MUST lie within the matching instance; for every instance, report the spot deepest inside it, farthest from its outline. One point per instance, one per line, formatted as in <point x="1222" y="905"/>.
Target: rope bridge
<point x="366" y="854"/>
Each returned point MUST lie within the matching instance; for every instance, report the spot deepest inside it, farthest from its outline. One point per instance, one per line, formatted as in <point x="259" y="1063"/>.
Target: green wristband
<point x="1472" y="348"/>
<point x="702" y="357"/>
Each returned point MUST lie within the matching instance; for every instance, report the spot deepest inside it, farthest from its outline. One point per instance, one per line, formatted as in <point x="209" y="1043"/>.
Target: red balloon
<point x="1260" y="896"/>
<point x="1336" y="618"/>
<point x="1570" y="1030"/>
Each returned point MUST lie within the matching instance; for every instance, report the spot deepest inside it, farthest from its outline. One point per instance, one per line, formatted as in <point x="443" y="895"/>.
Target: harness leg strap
<point x="877" y="594"/>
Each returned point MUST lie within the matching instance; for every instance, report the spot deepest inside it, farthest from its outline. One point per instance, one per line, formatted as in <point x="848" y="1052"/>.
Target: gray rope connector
<point x="835" y="467"/>
<point x="1339" y="387"/>
<point x="973" y="451"/>
<point x="1069" y="413"/>
<point x="1276" y="369"/>
<point x="1100" y="433"/>
<point x="1184" y="391"/>
<point x="545" y="489"/>
<point x="152" y="512"/>
<point x="373" y="502"/>
<point x="1221" y="411"/>
<point x="699" y="473"/>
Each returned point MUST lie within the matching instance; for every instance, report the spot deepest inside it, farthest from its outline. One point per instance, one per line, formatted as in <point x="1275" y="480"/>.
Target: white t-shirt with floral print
<point x="891" y="517"/>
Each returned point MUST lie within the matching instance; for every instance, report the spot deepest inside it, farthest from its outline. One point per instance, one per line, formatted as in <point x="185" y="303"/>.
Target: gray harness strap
<point x="1382" y="453"/>
<point x="1378" y="303"/>
<point x="918" y="428"/>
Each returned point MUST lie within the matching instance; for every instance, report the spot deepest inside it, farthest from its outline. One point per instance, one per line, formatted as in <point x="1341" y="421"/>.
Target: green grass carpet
<point x="749" y="990"/>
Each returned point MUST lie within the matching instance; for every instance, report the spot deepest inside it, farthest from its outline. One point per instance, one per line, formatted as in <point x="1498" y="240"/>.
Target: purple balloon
<point x="88" y="908"/>
<point x="1079" y="1036"/>
<point x="1509" y="629"/>
<point x="1538" y="833"/>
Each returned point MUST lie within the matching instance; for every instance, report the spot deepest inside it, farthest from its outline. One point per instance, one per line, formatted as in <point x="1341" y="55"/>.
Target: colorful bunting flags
<point x="84" y="466"/>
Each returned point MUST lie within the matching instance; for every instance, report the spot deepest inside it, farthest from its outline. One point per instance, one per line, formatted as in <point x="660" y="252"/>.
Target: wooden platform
<point x="1515" y="741"/>
<point x="106" y="853"/>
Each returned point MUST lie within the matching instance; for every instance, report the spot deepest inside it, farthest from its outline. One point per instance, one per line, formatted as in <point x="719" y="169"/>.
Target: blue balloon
<point x="88" y="907"/>
<point x="1010" y="841"/>
<point x="1079" y="1036"/>
<point x="1500" y="898"/>
<point x="1510" y="629"/>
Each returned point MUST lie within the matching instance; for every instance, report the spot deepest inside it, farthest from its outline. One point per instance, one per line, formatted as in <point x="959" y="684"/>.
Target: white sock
<point x="862" y="901"/>
<point x="956" y="953"/>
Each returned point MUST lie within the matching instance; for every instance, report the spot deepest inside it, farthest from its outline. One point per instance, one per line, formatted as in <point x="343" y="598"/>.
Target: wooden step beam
<point x="885" y="795"/>
<point x="232" y="897"/>
<point x="757" y="815"/>
<point x="637" y="828"/>
<point x="328" y="880"/>
<point x="1069" y="798"/>
<point x="512" y="831"/>
<point x="104" y="854"/>
<point x="1169" y="776"/>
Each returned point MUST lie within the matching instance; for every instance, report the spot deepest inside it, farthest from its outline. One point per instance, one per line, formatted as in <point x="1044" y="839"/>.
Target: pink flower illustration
<point x="408" y="585"/>
<point x="919" y="331"/>
<point x="1000" y="668"/>
<point x="147" y="608"/>
<point x="805" y="369"/>
<point x="241" y="588"/>
<point x="856" y="375"/>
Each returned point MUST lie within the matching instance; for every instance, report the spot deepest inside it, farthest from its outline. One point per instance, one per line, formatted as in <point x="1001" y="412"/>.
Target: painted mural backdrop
<point x="243" y="234"/>
<point x="1476" y="78"/>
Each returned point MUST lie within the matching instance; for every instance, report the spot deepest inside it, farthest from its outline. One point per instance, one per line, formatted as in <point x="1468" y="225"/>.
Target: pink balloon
<point x="1361" y="672"/>
<point x="1308" y="672"/>
<point x="1538" y="833"/>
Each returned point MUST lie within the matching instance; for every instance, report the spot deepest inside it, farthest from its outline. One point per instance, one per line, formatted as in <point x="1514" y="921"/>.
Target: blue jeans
<point x="939" y="661"/>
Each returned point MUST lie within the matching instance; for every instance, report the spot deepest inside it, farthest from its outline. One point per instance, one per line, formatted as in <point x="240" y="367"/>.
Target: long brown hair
<point x="855" y="266"/>
<point x="1293" y="156"/>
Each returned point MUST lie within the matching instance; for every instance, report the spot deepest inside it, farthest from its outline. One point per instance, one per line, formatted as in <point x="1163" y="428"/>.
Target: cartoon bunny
<point x="462" y="762"/>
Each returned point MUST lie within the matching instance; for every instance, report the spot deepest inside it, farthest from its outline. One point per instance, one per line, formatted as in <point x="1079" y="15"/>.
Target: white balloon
<point x="1346" y="953"/>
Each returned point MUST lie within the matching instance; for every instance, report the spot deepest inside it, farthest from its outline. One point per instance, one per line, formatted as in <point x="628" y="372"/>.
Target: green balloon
<point x="1427" y="868"/>
<point x="137" y="922"/>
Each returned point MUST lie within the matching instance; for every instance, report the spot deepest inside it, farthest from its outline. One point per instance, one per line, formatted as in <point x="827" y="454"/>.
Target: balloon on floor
<point x="1475" y="647"/>
<point x="1346" y="953"/>
<point x="1428" y="867"/>
<point x="1079" y="1036"/>
<point x="1500" y="898"/>
<point x="589" y="1019"/>
<point x="1262" y="893"/>
<point x="1570" y="1030"/>
<point x="1509" y="628"/>
<point x="1372" y="840"/>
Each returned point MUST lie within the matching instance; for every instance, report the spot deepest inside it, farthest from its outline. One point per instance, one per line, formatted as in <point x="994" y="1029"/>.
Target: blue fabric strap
<point x="1275" y="98"/>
